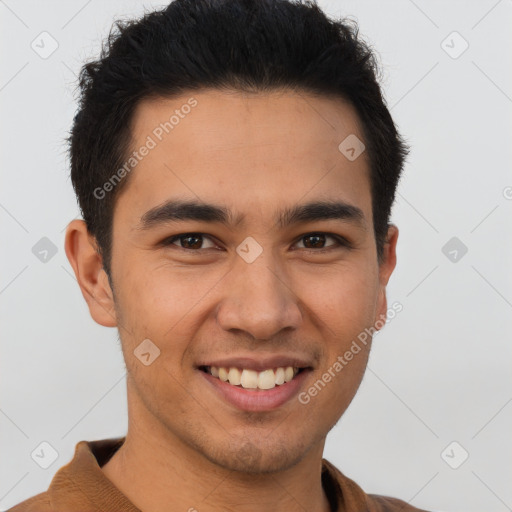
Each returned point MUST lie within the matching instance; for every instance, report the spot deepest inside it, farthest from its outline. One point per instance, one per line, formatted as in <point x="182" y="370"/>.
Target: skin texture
<point x="254" y="154"/>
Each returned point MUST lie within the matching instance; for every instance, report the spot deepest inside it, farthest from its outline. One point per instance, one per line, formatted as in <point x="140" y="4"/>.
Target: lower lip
<point x="257" y="400"/>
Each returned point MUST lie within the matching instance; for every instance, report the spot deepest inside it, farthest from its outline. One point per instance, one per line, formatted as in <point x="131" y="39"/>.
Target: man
<point x="235" y="166"/>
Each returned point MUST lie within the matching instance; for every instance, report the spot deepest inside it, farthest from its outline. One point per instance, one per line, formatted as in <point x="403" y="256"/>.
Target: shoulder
<point x="388" y="504"/>
<point x="38" y="503"/>
<point x="352" y="497"/>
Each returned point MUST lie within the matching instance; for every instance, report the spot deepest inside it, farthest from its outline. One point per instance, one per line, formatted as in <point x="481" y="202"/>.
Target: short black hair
<point x="243" y="45"/>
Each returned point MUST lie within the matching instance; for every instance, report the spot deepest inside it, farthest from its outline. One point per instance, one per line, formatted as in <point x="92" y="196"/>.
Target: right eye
<point x="188" y="241"/>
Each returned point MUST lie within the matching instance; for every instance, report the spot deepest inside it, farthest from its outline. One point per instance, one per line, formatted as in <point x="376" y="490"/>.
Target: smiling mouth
<point x="251" y="379"/>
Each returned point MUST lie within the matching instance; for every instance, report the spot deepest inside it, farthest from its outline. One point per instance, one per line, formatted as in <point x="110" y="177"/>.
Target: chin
<point x="247" y="456"/>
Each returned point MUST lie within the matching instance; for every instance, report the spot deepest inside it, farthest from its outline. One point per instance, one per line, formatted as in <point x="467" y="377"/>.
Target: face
<point x="218" y="261"/>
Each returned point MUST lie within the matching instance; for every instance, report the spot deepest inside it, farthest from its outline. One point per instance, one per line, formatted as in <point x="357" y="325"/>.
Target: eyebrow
<point x="176" y="210"/>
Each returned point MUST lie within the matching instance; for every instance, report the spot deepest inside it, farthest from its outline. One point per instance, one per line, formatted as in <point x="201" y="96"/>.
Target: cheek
<point x="344" y="312"/>
<point x="164" y="302"/>
<point x="344" y="299"/>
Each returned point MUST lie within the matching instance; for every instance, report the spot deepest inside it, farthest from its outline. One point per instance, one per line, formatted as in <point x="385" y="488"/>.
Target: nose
<point x="258" y="300"/>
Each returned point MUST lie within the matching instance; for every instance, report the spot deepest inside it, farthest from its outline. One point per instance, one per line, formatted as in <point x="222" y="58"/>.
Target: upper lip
<point x="259" y="364"/>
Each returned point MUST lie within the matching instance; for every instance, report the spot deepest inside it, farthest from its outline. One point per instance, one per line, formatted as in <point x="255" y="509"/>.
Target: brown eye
<point x="314" y="241"/>
<point x="192" y="241"/>
<point x="317" y="241"/>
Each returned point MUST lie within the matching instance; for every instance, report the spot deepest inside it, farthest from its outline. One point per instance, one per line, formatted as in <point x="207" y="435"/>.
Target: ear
<point x="386" y="267"/>
<point x="84" y="257"/>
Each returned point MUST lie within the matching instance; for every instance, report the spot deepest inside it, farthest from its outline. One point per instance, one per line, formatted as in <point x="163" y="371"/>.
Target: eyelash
<point x="340" y="241"/>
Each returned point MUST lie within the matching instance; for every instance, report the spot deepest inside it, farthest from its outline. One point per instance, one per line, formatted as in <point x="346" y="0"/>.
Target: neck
<point x="158" y="474"/>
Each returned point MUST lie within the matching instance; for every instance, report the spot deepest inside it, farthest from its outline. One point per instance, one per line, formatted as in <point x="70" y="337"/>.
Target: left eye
<point x="194" y="241"/>
<point x="319" y="239"/>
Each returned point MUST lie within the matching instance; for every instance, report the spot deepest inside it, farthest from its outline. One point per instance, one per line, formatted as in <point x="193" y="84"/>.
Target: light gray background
<point x="439" y="372"/>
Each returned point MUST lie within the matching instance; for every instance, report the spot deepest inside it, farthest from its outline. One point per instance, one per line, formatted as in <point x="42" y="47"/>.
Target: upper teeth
<point x="250" y="379"/>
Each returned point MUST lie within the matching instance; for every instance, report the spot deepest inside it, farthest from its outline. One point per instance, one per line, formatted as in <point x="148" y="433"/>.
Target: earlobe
<point x="82" y="253"/>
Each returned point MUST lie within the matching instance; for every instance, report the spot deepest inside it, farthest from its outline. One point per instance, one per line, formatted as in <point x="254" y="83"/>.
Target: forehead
<point x="249" y="151"/>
